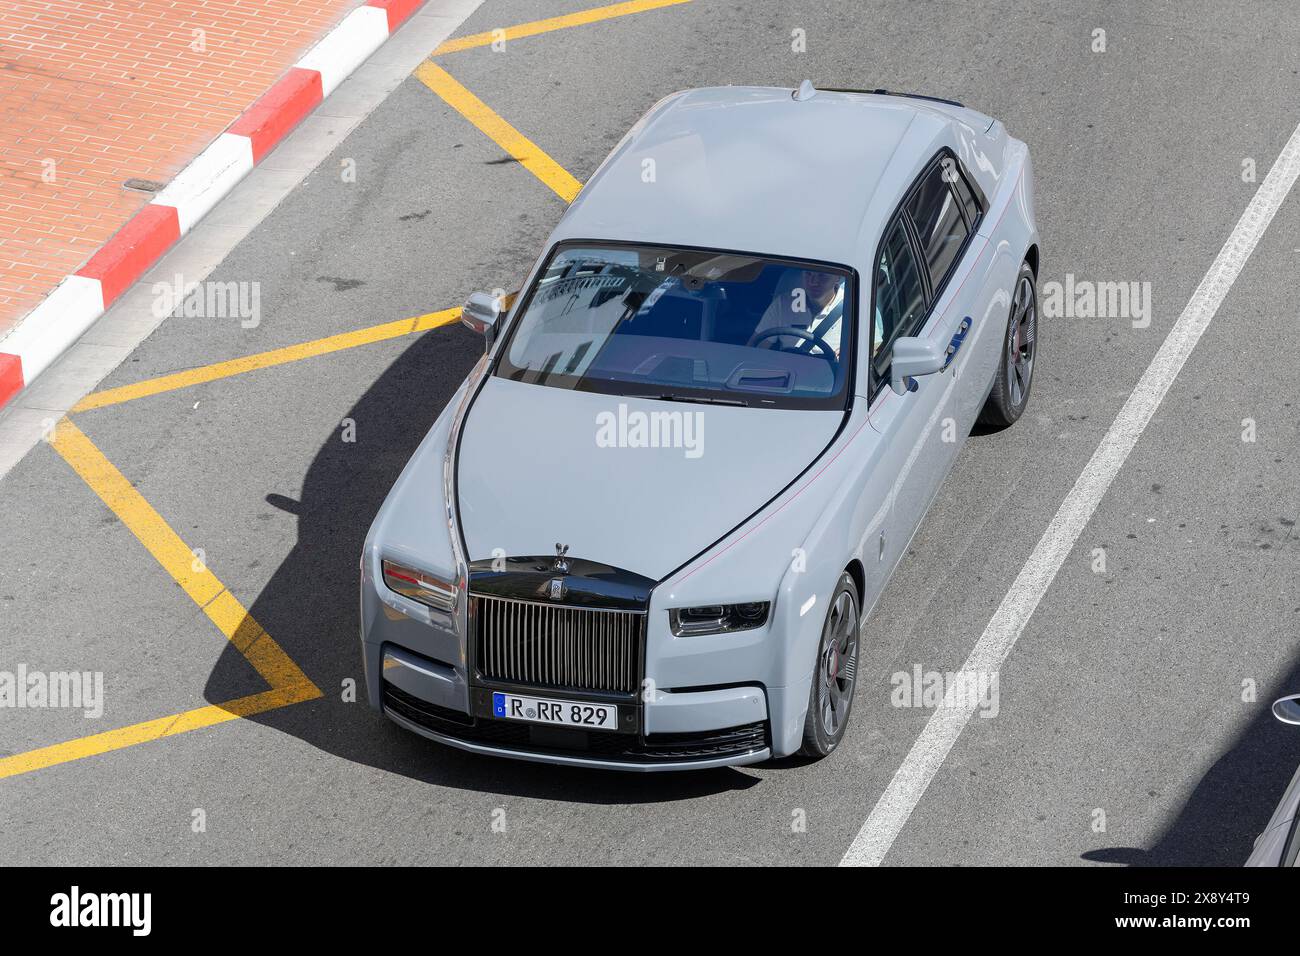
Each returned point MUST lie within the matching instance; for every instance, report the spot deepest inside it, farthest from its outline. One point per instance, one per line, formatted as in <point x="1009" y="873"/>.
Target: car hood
<point x="540" y="466"/>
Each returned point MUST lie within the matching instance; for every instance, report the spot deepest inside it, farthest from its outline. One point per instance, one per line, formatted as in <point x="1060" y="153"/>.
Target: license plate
<point x="544" y="710"/>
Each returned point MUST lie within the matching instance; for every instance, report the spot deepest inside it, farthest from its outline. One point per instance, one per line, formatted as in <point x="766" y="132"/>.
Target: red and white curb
<point x="52" y="327"/>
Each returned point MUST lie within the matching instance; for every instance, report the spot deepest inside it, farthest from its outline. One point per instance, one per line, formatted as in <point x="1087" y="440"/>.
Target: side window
<point x="939" y="222"/>
<point x="899" y="296"/>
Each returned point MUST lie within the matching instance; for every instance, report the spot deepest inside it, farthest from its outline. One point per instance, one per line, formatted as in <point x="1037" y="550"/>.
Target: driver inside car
<point x="811" y="300"/>
<point x="805" y="299"/>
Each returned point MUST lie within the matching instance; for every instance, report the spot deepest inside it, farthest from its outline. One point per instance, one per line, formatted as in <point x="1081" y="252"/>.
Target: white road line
<point x="927" y="755"/>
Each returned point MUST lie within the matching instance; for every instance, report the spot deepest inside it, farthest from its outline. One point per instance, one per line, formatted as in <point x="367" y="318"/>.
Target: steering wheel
<point x="806" y="335"/>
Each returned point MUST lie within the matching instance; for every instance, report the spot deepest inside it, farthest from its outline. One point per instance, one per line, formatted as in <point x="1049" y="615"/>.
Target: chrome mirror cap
<point x="480" y="313"/>
<point x="912" y="356"/>
<point x="1287" y="709"/>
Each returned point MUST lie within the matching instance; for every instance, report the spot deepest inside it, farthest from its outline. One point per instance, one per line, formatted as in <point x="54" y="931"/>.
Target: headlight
<point x="717" y="618"/>
<point x="421" y="587"/>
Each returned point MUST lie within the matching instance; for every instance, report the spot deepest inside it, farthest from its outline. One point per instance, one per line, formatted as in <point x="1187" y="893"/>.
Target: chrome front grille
<point x="558" y="645"/>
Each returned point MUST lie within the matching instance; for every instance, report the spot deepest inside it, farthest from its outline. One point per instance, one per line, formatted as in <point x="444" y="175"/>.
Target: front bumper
<point x="706" y="684"/>
<point x="672" y="731"/>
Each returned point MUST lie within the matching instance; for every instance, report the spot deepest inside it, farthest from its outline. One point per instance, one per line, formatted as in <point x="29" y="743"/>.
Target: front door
<point x="920" y="291"/>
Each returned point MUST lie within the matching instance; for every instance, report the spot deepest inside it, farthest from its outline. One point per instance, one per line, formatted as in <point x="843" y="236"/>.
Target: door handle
<point x="956" y="343"/>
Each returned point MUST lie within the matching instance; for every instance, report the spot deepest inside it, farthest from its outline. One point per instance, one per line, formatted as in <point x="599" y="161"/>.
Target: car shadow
<point x="310" y="604"/>
<point x="1232" y="803"/>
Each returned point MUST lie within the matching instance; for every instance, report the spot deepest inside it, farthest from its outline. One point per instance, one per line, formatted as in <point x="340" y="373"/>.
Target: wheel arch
<point x="859" y="576"/>
<point x="1031" y="256"/>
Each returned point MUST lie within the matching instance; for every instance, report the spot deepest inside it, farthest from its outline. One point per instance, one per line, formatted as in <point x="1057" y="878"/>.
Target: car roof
<point x="753" y="169"/>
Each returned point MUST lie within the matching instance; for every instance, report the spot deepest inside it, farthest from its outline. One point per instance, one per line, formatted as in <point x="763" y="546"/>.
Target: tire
<point x="830" y="699"/>
<point x="1015" y="375"/>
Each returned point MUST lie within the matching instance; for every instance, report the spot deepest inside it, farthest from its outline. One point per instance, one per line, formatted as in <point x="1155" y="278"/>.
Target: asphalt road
<point x="1123" y="695"/>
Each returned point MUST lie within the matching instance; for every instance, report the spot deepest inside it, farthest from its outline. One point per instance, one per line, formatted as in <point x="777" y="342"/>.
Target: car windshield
<point x="688" y="325"/>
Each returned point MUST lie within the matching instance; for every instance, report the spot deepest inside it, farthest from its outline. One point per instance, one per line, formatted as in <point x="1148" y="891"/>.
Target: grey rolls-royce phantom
<point x="647" y="530"/>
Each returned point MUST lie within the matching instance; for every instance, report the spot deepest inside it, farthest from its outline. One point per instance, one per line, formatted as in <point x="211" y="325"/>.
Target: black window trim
<point x="876" y="380"/>
<point x="918" y="250"/>
<point x="900" y="218"/>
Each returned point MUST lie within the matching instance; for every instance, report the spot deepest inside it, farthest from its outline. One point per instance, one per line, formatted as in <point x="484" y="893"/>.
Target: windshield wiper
<point x="670" y="397"/>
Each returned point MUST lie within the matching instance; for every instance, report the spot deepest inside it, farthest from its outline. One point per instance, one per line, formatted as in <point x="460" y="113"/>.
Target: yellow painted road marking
<point x="249" y="363"/>
<point x="289" y="685"/>
<point x="261" y="650"/>
<point x="177" y="559"/>
<point x="555" y="23"/>
<point x="528" y="153"/>
<point x="151" y="730"/>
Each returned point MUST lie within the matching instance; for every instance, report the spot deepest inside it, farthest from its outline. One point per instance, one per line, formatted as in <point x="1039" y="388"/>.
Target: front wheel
<point x="831" y="696"/>
<point x="1010" y="393"/>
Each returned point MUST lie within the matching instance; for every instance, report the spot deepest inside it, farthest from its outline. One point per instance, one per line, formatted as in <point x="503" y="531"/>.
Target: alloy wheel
<point x="837" y="664"/>
<point x="1022" y="332"/>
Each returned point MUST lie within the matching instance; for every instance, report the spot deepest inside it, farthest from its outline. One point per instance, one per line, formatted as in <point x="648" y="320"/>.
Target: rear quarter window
<point x="965" y="194"/>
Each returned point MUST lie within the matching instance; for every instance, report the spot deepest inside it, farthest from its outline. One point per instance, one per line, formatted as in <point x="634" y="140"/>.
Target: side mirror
<point x="1287" y="709"/>
<point x="912" y="357"/>
<point x="480" y="313"/>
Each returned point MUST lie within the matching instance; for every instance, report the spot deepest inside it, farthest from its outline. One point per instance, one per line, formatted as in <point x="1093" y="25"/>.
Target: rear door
<point x="979" y="291"/>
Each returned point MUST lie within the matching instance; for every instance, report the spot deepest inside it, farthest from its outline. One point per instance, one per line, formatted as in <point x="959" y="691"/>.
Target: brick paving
<point x="94" y="93"/>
